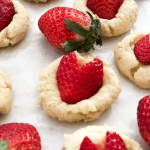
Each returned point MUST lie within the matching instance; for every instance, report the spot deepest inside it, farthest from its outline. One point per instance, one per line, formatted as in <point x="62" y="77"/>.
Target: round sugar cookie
<point x="128" y="64"/>
<point x="97" y="136"/>
<point x="17" y="28"/>
<point x="124" y="20"/>
<point x="5" y="93"/>
<point x="88" y="109"/>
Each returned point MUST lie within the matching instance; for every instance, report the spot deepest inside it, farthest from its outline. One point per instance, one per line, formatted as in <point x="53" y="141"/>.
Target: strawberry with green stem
<point x="19" y="136"/>
<point x="69" y="29"/>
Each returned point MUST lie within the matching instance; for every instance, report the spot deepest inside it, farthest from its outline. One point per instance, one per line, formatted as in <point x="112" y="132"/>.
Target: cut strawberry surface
<point x="142" y="50"/>
<point x="7" y="12"/>
<point x="78" y="83"/>
<point x="69" y="29"/>
<point x="114" y="141"/>
<point x="143" y="118"/>
<point x="106" y="9"/>
<point x="87" y="144"/>
<point x="19" y="136"/>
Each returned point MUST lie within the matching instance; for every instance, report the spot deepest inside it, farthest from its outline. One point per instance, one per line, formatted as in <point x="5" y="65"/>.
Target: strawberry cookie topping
<point x="69" y="29"/>
<point x="143" y="118"/>
<point x="87" y="144"/>
<point x="7" y="12"/>
<point x="18" y="136"/>
<point x="76" y="82"/>
<point x="142" y="50"/>
<point x="106" y="9"/>
<point x="113" y="142"/>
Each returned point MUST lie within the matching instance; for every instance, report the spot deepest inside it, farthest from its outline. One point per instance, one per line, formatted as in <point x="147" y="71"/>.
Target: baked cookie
<point x="17" y="28"/>
<point x="5" y="93"/>
<point x="127" y="62"/>
<point x="87" y="109"/>
<point x="123" y="21"/>
<point x="97" y="134"/>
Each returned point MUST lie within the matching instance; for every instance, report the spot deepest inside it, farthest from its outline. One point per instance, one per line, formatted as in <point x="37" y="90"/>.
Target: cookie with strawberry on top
<point x="14" y="22"/>
<point x="5" y="93"/>
<point x="116" y="16"/>
<point x="77" y="86"/>
<point x="99" y="138"/>
<point x="132" y="56"/>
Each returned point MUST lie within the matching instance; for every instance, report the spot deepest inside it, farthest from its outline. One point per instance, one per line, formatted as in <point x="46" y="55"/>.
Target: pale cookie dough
<point x="129" y="64"/>
<point x="88" y="109"/>
<point x="97" y="136"/>
<point x="5" y="93"/>
<point x="124" y="20"/>
<point x="17" y="28"/>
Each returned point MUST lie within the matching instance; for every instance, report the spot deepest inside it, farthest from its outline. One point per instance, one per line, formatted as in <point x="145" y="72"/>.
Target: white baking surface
<point x="24" y="61"/>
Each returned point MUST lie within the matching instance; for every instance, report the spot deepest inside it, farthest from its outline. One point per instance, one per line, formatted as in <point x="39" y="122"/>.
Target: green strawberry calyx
<point x="91" y="36"/>
<point x="3" y="145"/>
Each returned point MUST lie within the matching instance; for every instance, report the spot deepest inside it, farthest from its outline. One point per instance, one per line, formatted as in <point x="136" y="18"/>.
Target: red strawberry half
<point x="7" y="12"/>
<point x="143" y="118"/>
<point x="142" y="50"/>
<point x="114" y="141"/>
<point x="69" y="29"/>
<point x="106" y="9"/>
<point x="78" y="83"/>
<point x="18" y="136"/>
<point x="87" y="144"/>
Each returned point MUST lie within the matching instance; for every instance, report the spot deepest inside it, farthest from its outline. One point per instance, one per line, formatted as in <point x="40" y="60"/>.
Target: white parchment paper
<point x="24" y="61"/>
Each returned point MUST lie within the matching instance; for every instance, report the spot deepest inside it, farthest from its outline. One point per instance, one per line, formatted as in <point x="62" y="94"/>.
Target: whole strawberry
<point x="19" y="136"/>
<point x="7" y="12"/>
<point x="87" y="144"/>
<point x="78" y="83"/>
<point x="106" y="9"/>
<point x="114" y="141"/>
<point x="69" y="29"/>
<point x="142" y="50"/>
<point x="143" y="118"/>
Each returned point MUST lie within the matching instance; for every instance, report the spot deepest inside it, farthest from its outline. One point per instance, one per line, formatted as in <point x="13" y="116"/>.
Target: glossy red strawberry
<point x="69" y="29"/>
<point x="7" y="12"/>
<point x="87" y="144"/>
<point x="78" y="83"/>
<point x="114" y="141"/>
<point x="142" y="50"/>
<point x="106" y="9"/>
<point x="143" y="118"/>
<point x="19" y="136"/>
